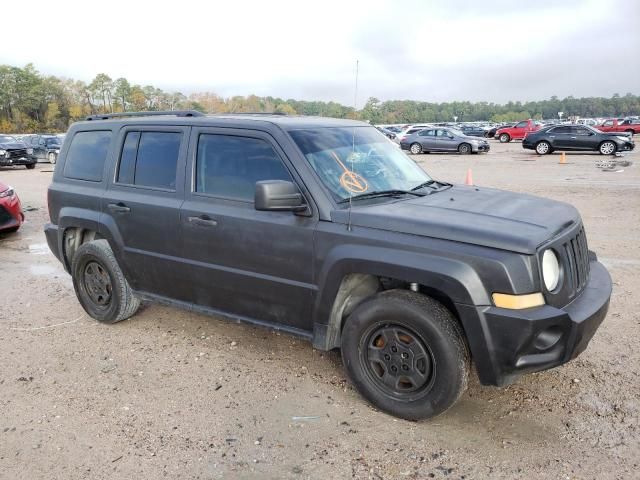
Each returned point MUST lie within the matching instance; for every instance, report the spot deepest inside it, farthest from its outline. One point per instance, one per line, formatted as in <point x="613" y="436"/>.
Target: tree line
<point x="32" y="102"/>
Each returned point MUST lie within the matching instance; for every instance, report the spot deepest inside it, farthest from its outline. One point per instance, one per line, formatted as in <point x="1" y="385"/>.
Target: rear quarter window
<point x="87" y="154"/>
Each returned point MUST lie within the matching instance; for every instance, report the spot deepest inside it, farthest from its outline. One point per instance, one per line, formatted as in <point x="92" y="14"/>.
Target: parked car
<point x="11" y="216"/>
<point x="577" y="137"/>
<point x="13" y="152"/>
<point x="388" y="133"/>
<point x="619" y="125"/>
<point x="321" y="228"/>
<point x="410" y="130"/>
<point x="492" y="131"/>
<point x="443" y="140"/>
<point x="45" y="147"/>
<point x="518" y="131"/>
<point x="473" y="131"/>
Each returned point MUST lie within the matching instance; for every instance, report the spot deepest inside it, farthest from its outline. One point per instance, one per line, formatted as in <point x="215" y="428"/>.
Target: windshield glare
<point x="354" y="160"/>
<point x="7" y="139"/>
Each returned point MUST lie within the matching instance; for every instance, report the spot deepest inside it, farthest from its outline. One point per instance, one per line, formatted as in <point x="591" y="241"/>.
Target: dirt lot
<point x="179" y="395"/>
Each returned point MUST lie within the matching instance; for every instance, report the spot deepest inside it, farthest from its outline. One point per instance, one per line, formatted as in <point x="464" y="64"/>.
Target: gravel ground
<point x="179" y="395"/>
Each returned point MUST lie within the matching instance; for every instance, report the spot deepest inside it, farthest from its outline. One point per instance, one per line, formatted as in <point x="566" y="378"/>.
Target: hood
<point x="3" y="187"/>
<point x="12" y="146"/>
<point x="479" y="216"/>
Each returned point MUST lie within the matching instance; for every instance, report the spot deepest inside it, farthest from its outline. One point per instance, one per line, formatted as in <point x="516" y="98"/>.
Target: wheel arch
<point x="349" y="281"/>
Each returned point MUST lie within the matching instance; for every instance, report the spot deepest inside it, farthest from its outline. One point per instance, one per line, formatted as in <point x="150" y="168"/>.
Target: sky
<point x="483" y="50"/>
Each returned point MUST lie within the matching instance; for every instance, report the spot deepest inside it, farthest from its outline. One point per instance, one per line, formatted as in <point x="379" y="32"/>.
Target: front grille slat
<point x="577" y="263"/>
<point x="17" y="153"/>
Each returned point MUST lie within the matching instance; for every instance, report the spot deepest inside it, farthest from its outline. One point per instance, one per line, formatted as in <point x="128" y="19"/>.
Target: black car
<point x="577" y="138"/>
<point x="387" y="133"/>
<point x="473" y="131"/>
<point x="324" y="229"/>
<point x="13" y="152"/>
<point x="45" y="147"/>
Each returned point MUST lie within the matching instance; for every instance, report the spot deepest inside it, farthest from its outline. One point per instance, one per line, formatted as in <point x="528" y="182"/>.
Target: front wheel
<point x="608" y="148"/>
<point x="52" y="157"/>
<point x="504" y="138"/>
<point x="542" y="148"/>
<point x="30" y="166"/>
<point x="464" y="148"/>
<point x="406" y="354"/>
<point x="416" y="148"/>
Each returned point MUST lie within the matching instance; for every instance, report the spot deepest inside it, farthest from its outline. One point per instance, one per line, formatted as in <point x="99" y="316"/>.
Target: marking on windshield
<point x="351" y="181"/>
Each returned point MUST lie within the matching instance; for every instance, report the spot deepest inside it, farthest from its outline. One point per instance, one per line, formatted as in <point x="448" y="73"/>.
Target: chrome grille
<point x="577" y="255"/>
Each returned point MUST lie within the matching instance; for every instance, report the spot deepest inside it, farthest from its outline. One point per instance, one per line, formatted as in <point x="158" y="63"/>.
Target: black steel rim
<point x="398" y="361"/>
<point x="97" y="284"/>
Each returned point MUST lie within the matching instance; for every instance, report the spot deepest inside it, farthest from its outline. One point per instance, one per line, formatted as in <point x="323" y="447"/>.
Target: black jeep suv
<point x="13" y="152"/>
<point x="326" y="230"/>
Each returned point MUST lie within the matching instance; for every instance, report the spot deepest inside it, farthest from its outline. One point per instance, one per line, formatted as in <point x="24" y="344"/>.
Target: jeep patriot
<point x="324" y="229"/>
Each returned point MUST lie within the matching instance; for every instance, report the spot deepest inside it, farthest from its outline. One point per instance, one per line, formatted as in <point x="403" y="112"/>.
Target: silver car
<point x="443" y="140"/>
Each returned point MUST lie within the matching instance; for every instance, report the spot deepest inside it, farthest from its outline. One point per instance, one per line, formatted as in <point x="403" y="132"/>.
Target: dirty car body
<point x="364" y="219"/>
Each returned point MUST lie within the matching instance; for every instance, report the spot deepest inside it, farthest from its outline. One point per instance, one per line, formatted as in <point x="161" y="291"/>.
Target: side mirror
<point x="278" y="195"/>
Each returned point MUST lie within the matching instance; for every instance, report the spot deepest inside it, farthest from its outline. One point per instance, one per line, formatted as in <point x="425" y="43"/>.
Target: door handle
<point x="119" y="207"/>
<point x="203" y="221"/>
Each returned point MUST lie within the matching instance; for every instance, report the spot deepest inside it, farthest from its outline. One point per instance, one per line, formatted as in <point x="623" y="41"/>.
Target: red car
<point x="11" y="216"/>
<point x="620" y="125"/>
<point x="518" y="131"/>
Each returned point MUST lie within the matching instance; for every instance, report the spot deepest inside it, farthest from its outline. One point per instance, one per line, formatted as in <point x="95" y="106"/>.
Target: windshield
<point x="53" y="141"/>
<point x="7" y="139"/>
<point x="355" y="160"/>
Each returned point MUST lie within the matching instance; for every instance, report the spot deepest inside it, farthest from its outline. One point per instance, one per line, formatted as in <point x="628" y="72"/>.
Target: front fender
<point x="453" y="278"/>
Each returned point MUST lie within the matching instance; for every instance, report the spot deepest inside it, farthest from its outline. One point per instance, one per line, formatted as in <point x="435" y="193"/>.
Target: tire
<point x="607" y="147"/>
<point x="52" y="157"/>
<point x="415" y="148"/>
<point x="504" y="138"/>
<point x="543" y="148"/>
<point x="30" y="166"/>
<point x="388" y="321"/>
<point x="100" y="286"/>
<point x="464" y="148"/>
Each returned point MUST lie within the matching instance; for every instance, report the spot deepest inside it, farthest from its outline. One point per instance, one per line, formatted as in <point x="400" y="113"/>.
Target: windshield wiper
<point x="382" y="193"/>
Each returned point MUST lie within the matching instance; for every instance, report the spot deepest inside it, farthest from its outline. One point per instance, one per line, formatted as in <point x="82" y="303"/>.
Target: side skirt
<point x="278" y="327"/>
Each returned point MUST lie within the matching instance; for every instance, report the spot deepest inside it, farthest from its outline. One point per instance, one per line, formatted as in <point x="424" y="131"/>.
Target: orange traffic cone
<point x="469" y="179"/>
<point x="563" y="158"/>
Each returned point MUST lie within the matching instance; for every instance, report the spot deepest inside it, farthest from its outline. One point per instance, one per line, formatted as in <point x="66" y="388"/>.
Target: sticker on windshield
<point x="351" y="181"/>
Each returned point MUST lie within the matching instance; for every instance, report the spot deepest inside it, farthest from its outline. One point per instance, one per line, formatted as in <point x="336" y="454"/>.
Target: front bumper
<point x="510" y="343"/>
<point x="481" y="148"/>
<point x="627" y="146"/>
<point x="11" y="215"/>
<point x="12" y="160"/>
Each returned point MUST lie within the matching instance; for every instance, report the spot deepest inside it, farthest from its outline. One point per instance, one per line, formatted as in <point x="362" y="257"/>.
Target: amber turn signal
<point x="518" y="302"/>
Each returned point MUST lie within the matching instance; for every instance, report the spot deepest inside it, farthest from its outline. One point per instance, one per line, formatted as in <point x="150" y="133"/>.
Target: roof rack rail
<point x="176" y="113"/>
<point x="252" y="113"/>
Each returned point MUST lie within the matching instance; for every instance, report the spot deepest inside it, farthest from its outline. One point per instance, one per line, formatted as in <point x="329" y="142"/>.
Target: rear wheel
<point x="464" y="148"/>
<point x="406" y="354"/>
<point x="30" y="166"/>
<point x="416" y="148"/>
<point x="542" y="148"/>
<point x="100" y="286"/>
<point x="608" y="148"/>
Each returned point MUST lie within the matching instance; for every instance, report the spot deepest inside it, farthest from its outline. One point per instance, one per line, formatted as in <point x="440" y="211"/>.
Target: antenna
<point x="353" y="141"/>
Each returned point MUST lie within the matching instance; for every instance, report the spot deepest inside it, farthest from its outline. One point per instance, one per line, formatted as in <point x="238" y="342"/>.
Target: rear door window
<point x="86" y="155"/>
<point x="150" y="159"/>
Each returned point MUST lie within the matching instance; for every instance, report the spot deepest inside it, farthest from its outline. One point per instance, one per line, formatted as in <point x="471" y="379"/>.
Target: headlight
<point x="550" y="270"/>
<point x="7" y="193"/>
<point x="624" y="139"/>
<point x="30" y="151"/>
<point x="3" y="152"/>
